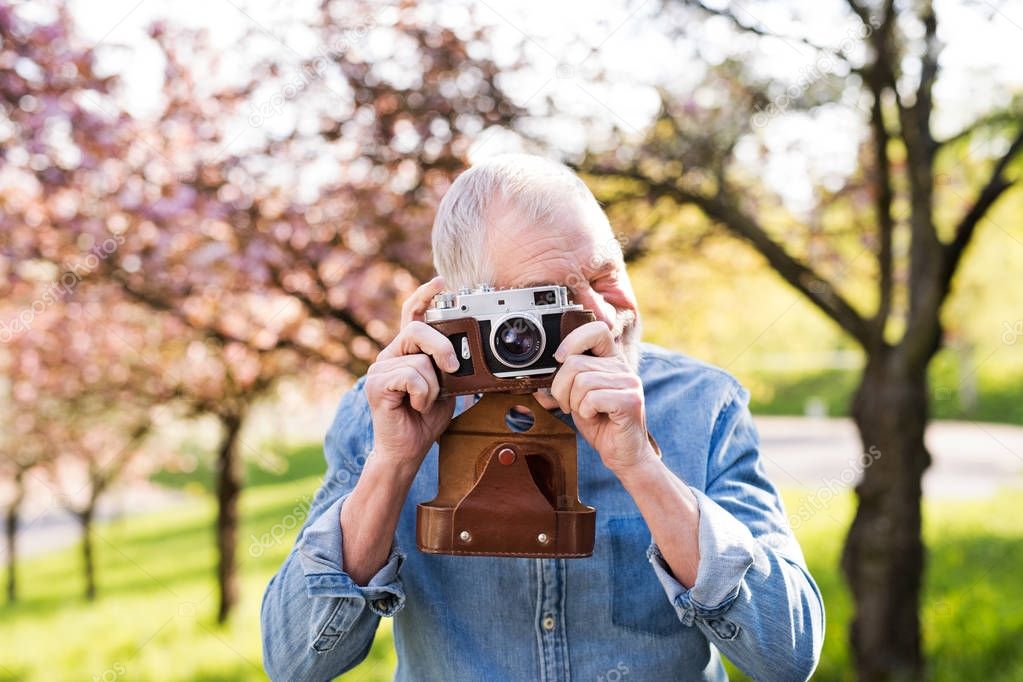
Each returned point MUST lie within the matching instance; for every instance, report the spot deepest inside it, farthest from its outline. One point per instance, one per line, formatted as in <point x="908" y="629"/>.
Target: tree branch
<point x="916" y="120"/>
<point x="923" y="333"/>
<point x="764" y="33"/>
<point x="799" y="275"/>
<point x="883" y="207"/>
<point x="879" y="78"/>
<point x="322" y="310"/>
<point x="106" y="474"/>
<point x="860" y="10"/>
<point x="212" y="332"/>
<point x="998" y="118"/>
<point x="995" y="187"/>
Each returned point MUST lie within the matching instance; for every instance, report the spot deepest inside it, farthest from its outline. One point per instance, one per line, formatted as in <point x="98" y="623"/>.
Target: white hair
<point x="538" y="190"/>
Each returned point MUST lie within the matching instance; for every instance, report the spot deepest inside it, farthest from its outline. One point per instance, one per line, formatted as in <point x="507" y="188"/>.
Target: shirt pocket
<point x="638" y="601"/>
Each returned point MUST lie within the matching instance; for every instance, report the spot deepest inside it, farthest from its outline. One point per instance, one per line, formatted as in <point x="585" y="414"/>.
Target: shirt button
<point x="548" y="623"/>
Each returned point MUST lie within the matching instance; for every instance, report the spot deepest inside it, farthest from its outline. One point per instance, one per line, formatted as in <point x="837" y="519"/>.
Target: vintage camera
<point x="504" y="337"/>
<point x="502" y="492"/>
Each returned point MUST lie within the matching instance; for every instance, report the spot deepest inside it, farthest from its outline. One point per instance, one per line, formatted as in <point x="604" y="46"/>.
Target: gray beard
<point x="628" y="329"/>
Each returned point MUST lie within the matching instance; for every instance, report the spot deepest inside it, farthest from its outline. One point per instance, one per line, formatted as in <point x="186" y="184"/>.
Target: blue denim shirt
<point x="617" y="615"/>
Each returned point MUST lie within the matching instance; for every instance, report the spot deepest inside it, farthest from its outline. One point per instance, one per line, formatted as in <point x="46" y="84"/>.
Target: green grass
<point x="972" y="620"/>
<point x="154" y="619"/>
<point x="155" y="616"/>
<point x="778" y="393"/>
<point x="999" y="398"/>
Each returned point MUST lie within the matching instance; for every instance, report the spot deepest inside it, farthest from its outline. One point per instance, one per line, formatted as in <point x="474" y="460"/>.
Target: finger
<point x="562" y="384"/>
<point x="589" y="381"/>
<point x="422" y="364"/>
<point x="419" y="337"/>
<point x="618" y="404"/>
<point x="594" y="336"/>
<point x="408" y="381"/>
<point x="418" y="362"/>
<point x="415" y="305"/>
<point x="379" y="391"/>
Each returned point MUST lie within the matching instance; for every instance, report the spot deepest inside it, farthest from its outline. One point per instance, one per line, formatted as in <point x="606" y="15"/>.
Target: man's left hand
<point x="604" y="396"/>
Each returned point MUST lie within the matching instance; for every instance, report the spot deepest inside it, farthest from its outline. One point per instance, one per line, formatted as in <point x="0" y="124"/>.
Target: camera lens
<point x="518" y="341"/>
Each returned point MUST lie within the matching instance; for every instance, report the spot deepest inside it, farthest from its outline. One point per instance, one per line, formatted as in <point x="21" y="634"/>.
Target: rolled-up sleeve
<point x="726" y="553"/>
<point x="753" y="597"/>
<point x="319" y="553"/>
<point x="317" y="622"/>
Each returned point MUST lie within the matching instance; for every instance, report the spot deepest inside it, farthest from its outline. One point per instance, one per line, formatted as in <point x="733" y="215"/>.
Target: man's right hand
<point x="402" y="386"/>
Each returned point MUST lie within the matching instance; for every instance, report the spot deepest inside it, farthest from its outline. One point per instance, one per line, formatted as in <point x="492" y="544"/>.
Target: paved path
<point x="45" y="526"/>
<point x="971" y="459"/>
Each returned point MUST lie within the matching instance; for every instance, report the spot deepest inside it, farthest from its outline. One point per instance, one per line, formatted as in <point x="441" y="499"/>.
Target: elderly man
<point x="693" y="555"/>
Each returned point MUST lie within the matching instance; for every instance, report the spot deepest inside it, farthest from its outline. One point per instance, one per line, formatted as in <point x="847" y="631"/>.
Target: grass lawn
<point x="999" y="397"/>
<point x="154" y="619"/>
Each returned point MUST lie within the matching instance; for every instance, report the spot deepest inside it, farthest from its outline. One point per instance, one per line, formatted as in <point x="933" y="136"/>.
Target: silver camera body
<point x="519" y="328"/>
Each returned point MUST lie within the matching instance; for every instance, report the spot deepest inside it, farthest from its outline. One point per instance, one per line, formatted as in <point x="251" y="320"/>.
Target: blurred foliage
<point x="302" y="462"/>
<point x="248" y="274"/>
<point x="719" y="301"/>
<point x="724" y="305"/>
<point x="157" y="617"/>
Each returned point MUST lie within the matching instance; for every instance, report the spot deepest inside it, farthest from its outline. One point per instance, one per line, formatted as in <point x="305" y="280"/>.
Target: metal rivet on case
<point x="465" y="536"/>
<point x="506" y="456"/>
<point x="542" y="538"/>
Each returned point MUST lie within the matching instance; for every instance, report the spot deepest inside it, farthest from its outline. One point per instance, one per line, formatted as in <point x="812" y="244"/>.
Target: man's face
<point x="580" y="254"/>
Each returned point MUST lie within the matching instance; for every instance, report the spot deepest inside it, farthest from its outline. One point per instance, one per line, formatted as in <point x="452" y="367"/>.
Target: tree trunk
<point x="229" y="487"/>
<point x="11" y="533"/>
<point x="883" y="559"/>
<point x="88" y="557"/>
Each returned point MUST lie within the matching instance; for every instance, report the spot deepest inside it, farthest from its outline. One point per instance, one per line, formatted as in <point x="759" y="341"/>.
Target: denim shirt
<point x="617" y="615"/>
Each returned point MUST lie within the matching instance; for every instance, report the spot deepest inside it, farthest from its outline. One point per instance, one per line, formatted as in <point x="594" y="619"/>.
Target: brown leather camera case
<point x="506" y="493"/>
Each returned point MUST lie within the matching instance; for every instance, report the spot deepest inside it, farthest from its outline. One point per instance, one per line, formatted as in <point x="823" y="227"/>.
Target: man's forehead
<point x="524" y="254"/>
<point x="556" y="267"/>
<point x="591" y="267"/>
